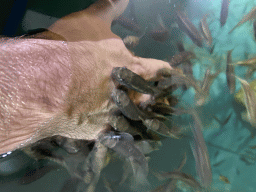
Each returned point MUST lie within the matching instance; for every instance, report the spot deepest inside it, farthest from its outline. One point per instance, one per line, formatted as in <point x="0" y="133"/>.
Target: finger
<point x="147" y="68"/>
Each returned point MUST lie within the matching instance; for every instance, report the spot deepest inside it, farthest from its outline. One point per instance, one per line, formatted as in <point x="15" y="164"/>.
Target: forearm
<point x="34" y="79"/>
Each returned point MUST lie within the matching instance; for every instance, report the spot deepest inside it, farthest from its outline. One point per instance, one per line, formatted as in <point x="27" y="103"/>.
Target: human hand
<point x="75" y="104"/>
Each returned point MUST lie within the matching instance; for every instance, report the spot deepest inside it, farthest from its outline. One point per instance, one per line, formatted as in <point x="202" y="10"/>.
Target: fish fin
<point x="174" y="25"/>
<point x="183" y="162"/>
<point x="160" y="21"/>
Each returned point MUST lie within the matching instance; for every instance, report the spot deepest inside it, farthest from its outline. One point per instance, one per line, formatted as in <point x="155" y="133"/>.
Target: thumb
<point x="149" y="68"/>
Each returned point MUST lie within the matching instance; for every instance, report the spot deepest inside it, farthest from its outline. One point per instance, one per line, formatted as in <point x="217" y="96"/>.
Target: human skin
<point x="53" y="87"/>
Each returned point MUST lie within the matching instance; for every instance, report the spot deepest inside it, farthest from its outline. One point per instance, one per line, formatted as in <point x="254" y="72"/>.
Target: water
<point x="227" y="144"/>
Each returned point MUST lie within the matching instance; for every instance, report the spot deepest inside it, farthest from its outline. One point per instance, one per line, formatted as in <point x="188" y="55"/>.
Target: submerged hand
<point x="71" y="87"/>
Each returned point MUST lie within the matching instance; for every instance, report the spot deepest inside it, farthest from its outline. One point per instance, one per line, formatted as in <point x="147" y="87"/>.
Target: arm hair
<point x="34" y="79"/>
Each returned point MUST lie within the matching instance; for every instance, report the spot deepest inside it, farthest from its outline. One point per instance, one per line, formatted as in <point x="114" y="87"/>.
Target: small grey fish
<point x="183" y="162"/>
<point x="181" y="57"/>
<point x="188" y="27"/>
<point x="188" y="179"/>
<point x="224" y="179"/>
<point x="219" y="163"/>
<point x="200" y="152"/>
<point x="131" y="80"/>
<point x="206" y="31"/>
<point x="162" y="108"/>
<point x="123" y="144"/>
<point x="202" y="96"/>
<point x="107" y="185"/>
<point x="212" y="49"/>
<point x="180" y="46"/>
<point x="147" y="146"/>
<point x="126" y="106"/>
<point x="246" y="18"/>
<point x="250" y="101"/>
<point x="68" y="144"/>
<point x="118" y="122"/>
<point x="187" y="69"/>
<point x="174" y="77"/>
<point x="224" y="12"/>
<point x="222" y="122"/>
<point x="158" y="127"/>
<point x="127" y="23"/>
<point x="230" y="74"/>
<point x="248" y="63"/>
<point x="159" y="33"/>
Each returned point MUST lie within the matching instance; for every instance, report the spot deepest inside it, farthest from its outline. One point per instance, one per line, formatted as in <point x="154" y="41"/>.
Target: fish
<point x="186" y="66"/>
<point x="219" y="163"/>
<point x="147" y="146"/>
<point x="120" y="123"/>
<point x="127" y="171"/>
<point x="188" y="27"/>
<point x="230" y="74"/>
<point x="253" y="147"/>
<point x="249" y="16"/>
<point x="254" y="29"/>
<point x="131" y="41"/>
<point x="202" y="96"/>
<point x="180" y="46"/>
<point x="96" y="161"/>
<point x="181" y="57"/>
<point x="250" y="101"/>
<point x="206" y="31"/>
<point x="107" y="185"/>
<point x="117" y="120"/>
<point x="222" y="122"/>
<point x="160" y="32"/>
<point x="224" y="179"/>
<point x="158" y="127"/>
<point x="186" y="178"/>
<point x="123" y="144"/>
<point x="68" y="144"/>
<point x="126" y="106"/>
<point x="170" y="185"/>
<point x="212" y="49"/>
<point x="200" y="152"/>
<point x="174" y="77"/>
<point x="187" y="69"/>
<point x="248" y="63"/>
<point x="224" y="12"/>
<point x="183" y="162"/>
<point x="133" y="81"/>
<point x="162" y="108"/>
<point x="128" y="24"/>
<point x="248" y="159"/>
